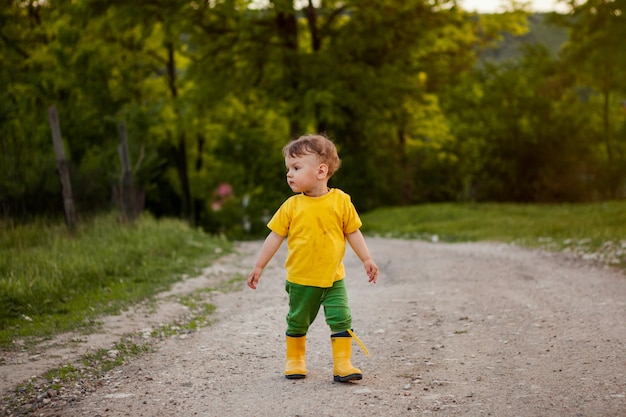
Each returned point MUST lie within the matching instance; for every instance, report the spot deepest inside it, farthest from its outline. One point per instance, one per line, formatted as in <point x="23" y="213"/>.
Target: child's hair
<point x="316" y="144"/>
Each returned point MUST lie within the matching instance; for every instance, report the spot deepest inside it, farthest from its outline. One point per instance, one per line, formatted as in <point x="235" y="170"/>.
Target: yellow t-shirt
<point x="316" y="229"/>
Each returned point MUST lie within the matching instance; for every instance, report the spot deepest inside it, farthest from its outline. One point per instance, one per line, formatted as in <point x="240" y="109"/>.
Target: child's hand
<point x="253" y="278"/>
<point x="371" y="270"/>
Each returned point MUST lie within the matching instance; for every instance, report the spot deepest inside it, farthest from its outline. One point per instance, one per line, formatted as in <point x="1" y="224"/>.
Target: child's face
<point x="305" y="174"/>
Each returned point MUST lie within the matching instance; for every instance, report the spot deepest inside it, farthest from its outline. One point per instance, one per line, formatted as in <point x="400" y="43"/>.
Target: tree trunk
<point x="180" y="149"/>
<point x="63" y="169"/>
<point x="129" y="208"/>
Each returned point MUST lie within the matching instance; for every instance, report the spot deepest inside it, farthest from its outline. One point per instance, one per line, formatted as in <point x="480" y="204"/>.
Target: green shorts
<point x="305" y="303"/>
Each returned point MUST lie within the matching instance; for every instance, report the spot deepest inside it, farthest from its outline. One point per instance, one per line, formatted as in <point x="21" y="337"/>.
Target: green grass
<point x="593" y="230"/>
<point x="51" y="281"/>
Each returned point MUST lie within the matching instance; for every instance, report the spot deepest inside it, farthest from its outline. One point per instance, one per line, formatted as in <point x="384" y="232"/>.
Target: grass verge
<point x="53" y="282"/>
<point x="594" y="231"/>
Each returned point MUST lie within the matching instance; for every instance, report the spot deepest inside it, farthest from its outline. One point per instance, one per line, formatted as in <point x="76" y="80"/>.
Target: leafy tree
<point x="522" y="134"/>
<point x="363" y="72"/>
<point x="596" y="52"/>
<point x="26" y="182"/>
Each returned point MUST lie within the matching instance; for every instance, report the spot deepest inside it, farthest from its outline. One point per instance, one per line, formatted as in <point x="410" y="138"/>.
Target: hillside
<point x="541" y="32"/>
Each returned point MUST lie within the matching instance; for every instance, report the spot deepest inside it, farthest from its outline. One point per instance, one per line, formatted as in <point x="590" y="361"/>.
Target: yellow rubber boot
<point x="343" y="371"/>
<point x="295" y="367"/>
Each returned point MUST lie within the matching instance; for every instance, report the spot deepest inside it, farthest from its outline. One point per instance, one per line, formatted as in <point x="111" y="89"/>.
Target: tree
<point x="360" y="71"/>
<point x="596" y="51"/>
<point x="522" y="134"/>
<point x="27" y="182"/>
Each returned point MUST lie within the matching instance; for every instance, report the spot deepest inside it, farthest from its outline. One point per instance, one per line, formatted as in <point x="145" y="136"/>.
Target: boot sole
<point x="295" y="376"/>
<point x="347" y="378"/>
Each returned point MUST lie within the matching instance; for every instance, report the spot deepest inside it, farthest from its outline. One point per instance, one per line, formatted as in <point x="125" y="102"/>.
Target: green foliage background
<point x="425" y="101"/>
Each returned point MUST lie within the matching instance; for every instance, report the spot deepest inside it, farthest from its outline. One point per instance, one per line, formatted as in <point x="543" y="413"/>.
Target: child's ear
<point x="322" y="171"/>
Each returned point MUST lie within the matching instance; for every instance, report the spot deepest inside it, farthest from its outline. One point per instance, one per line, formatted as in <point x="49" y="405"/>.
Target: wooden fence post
<point x="127" y="192"/>
<point x="62" y="168"/>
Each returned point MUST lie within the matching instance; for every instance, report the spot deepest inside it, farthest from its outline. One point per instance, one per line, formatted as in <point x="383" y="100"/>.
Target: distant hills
<point x="541" y="31"/>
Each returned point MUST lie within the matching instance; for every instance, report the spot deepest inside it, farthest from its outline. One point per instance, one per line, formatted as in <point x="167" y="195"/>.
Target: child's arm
<point x="357" y="242"/>
<point x="270" y="246"/>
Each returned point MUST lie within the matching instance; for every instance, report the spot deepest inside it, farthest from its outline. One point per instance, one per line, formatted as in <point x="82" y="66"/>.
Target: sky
<point x="491" y="6"/>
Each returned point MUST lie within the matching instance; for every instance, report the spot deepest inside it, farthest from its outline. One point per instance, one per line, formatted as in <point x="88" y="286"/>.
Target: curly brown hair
<point x="316" y="144"/>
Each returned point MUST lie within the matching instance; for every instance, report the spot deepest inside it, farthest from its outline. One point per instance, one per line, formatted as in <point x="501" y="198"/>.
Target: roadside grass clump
<point x="595" y="231"/>
<point x="104" y="360"/>
<point x="199" y="309"/>
<point x="52" y="281"/>
<point x="65" y="373"/>
<point x="62" y="381"/>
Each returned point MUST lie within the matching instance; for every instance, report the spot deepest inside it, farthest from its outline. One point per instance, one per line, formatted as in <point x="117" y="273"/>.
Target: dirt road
<point x="453" y="329"/>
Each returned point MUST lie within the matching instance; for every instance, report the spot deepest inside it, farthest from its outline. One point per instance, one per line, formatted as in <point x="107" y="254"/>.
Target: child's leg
<point x="336" y="308"/>
<point x="339" y="320"/>
<point x="304" y="304"/>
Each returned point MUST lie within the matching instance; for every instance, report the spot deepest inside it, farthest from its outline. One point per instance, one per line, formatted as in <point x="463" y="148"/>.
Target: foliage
<point x="210" y="91"/>
<point x="596" y="56"/>
<point x="522" y="134"/>
<point x="52" y="282"/>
